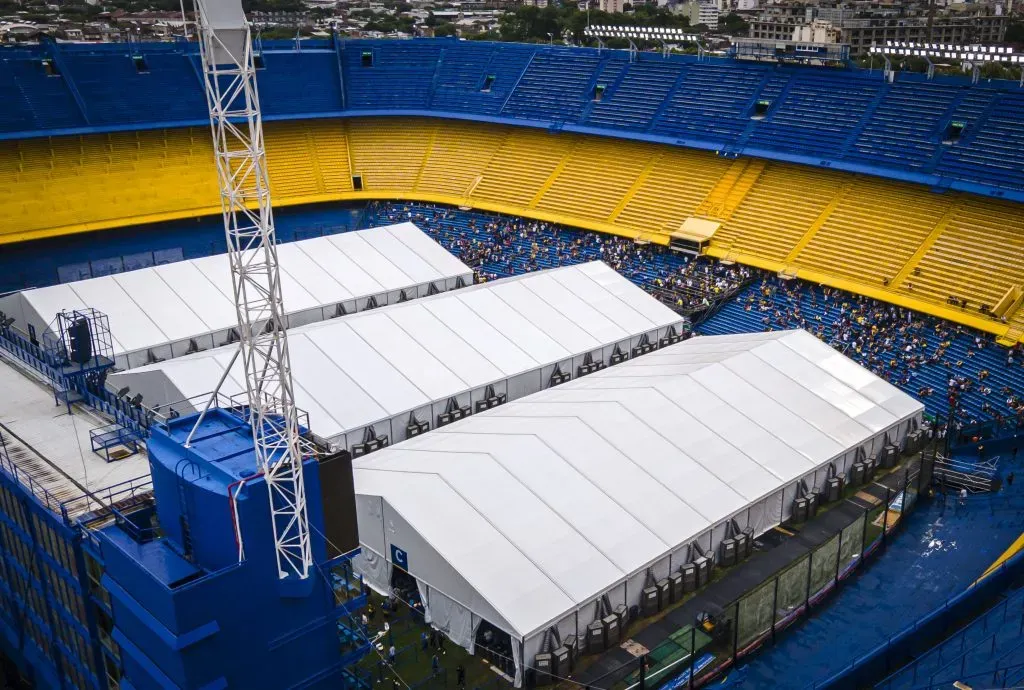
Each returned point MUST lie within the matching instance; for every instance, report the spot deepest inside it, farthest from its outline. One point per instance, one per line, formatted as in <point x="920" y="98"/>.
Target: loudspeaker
<point x="80" y="338"/>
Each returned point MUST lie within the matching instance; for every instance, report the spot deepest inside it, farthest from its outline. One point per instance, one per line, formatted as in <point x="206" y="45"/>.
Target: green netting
<point x="792" y="588"/>
<point x="910" y="497"/>
<point x="851" y="542"/>
<point x="823" y="564"/>
<point x="755" y="616"/>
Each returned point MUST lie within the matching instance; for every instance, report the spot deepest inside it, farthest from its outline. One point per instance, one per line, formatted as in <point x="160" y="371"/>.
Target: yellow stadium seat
<point x="891" y="240"/>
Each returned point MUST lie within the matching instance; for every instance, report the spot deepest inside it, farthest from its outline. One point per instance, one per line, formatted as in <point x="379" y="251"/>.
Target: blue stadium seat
<point x="318" y="91"/>
<point x="463" y="71"/>
<point x="400" y="77"/>
<point x="637" y="97"/>
<point x="826" y="115"/>
<point x="555" y="87"/>
<point x="816" y="114"/>
<point x="993" y="148"/>
<point x="712" y="103"/>
<point x="906" y="127"/>
<point x="117" y="91"/>
<point x="33" y="100"/>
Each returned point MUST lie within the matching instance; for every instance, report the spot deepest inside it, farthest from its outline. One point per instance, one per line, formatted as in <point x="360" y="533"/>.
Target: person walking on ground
<point x="392" y="654"/>
<point x="963" y="497"/>
<point x="435" y="665"/>
<point x="1009" y="479"/>
<point x="424" y="640"/>
<point x="460" y="676"/>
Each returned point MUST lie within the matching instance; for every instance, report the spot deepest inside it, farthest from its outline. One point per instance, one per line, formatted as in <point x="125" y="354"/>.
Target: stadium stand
<point x="501" y="246"/>
<point x="951" y="369"/>
<point x="989" y="650"/>
<point x="847" y="119"/>
<point x="777" y="216"/>
<point x="554" y="87"/>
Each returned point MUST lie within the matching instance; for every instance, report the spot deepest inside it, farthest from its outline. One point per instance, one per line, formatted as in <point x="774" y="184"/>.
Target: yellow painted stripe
<point x="1014" y="549"/>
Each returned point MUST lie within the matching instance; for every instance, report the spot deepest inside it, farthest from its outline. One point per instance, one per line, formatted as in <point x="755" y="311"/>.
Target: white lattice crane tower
<point x="230" y="76"/>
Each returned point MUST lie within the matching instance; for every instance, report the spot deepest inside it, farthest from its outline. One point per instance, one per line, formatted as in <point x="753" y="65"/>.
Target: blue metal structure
<point x="145" y="584"/>
<point x="841" y="118"/>
<point x="197" y="602"/>
<point x="54" y="615"/>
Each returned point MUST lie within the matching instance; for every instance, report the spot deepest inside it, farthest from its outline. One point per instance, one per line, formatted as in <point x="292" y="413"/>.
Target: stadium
<point x="449" y="364"/>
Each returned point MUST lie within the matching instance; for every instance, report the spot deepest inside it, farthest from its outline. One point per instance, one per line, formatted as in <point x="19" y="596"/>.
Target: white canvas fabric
<point x="526" y="513"/>
<point x="374" y="369"/>
<point x="155" y="312"/>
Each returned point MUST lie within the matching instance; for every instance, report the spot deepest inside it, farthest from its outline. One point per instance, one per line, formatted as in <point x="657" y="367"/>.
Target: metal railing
<point x="70" y="509"/>
<point x="976" y="477"/>
<point x="914" y="641"/>
<point x="959" y="650"/>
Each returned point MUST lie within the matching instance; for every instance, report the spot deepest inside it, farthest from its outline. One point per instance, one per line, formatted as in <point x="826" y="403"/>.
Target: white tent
<point x="166" y="311"/>
<point x="418" y="361"/>
<point x="527" y="514"/>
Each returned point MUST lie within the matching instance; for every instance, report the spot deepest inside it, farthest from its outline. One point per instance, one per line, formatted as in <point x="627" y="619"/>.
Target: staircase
<point x="728" y="194"/>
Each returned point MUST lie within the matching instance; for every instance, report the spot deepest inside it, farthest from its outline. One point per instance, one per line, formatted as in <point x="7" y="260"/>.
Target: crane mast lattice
<point x="230" y="78"/>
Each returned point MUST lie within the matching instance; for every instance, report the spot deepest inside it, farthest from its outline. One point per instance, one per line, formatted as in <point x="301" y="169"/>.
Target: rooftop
<point x="50" y="449"/>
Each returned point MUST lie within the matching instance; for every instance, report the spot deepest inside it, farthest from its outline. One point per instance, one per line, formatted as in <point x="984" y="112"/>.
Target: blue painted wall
<point x="50" y="610"/>
<point x="187" y="612"/>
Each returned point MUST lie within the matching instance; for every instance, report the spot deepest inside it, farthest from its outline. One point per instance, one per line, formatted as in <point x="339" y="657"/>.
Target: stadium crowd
<point x="500" y="246"/>
<point x="952" y="369"/>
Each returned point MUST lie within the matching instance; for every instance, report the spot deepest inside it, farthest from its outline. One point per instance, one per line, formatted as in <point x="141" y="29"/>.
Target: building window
<point x="94" y="570"/>
<point x="113" y="673"/>
<point x="105" y="624"/>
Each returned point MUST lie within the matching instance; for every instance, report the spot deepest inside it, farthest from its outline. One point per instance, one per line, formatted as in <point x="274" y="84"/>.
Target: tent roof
<point x="363" y="368"/>
<point x="545" y="502"/>
<point x="151" y="307"/>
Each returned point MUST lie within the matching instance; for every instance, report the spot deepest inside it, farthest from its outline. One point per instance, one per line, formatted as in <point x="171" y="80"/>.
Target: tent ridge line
<point x="569" y="292"/>
<point x="401" y="240"/>
<point x="620" y="299"/>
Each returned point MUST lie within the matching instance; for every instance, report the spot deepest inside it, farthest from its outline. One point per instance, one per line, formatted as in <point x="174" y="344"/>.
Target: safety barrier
<point x="912" y="644"/>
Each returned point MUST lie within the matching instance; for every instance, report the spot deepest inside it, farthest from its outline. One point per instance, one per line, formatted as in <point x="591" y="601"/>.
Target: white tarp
<point x="374" y="369"/>
<point x="159" y="312"/>
<point x="526" y="513"/>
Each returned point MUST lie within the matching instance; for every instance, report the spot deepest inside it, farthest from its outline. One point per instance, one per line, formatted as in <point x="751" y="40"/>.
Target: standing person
<point x="424" y="640"/>
<point x="1009" y="479"/>
<point x="392" y="654"/>
<point x="435" y="665"/>
<point x="460" y="676"/>
<point x="963" y="497"/>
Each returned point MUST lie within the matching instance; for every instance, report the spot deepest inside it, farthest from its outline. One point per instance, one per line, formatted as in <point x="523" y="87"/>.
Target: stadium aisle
<point x="937" y="554"/>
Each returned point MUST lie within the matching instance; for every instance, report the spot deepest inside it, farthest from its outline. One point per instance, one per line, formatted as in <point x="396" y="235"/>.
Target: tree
<point x="1015" y="32"/>
<point x="447" y="29"/>
<point x="735" y="25"/>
